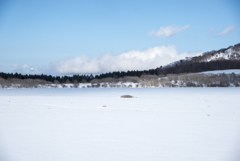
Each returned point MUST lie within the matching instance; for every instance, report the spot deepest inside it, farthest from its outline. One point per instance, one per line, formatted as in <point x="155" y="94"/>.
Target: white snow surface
<point x="228" y="71"/>
<point x="158" y="124"/>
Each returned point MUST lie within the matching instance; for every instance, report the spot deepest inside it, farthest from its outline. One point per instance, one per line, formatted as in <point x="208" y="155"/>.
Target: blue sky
<point x="67" y="37"/>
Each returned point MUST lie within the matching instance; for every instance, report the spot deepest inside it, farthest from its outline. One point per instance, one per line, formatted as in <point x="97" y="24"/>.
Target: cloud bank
<point x="226" y="30"/>
<point x="168" y="31"/>
<point x="19" y="66"/>
<point x="150" y="58"/>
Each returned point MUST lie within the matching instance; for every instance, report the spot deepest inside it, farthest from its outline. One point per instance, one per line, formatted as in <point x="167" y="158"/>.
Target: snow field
<point x="169" y="124"/>
<point x="229" y="71"/>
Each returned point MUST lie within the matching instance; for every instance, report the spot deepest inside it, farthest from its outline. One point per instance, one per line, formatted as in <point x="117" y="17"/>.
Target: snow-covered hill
<point x="230" y="53"/>
<point x="176" y="63"/>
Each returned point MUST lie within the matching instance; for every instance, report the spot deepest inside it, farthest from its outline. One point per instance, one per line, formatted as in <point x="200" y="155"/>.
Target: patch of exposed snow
<point x="229" y="71"/>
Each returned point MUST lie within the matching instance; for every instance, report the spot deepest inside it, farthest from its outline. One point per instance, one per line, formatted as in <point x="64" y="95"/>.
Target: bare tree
<point x="83" y="81"/>
<point x="145" y="77"/>
<point x="164" y="82"/>
<point x="131" y="79"/>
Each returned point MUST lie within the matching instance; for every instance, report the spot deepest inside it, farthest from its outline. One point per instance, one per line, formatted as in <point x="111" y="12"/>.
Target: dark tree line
<point x="201" y="67"/>
<point x="77" y="78"/>
<point x="187" y="67"/>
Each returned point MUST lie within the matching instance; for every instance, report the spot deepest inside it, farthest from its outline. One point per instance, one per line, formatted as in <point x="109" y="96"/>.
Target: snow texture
<point x="229" y="71"/>
<point x="227" y="55"/>
<point x="168" y="124"/>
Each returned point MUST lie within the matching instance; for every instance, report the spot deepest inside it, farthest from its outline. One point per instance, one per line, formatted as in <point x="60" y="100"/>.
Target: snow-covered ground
<point x="158" y="124"/>
<point x="229" y="71"/>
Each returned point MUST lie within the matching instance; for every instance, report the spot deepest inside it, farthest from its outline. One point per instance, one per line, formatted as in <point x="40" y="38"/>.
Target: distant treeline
<point x="190" y="67"/>
<point x="77" y="78"/>
<point x="187" y="67"/>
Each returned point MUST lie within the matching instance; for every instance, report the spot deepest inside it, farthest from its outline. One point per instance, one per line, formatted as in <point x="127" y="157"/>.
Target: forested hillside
<point x="227" y="58"/>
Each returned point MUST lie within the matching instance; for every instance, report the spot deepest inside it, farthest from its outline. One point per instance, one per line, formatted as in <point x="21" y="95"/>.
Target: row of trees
<point x="171" y="80"/>
<point x="204" y="80"/>
<point x="76" y="78"/>
<point x="187" y="67"/>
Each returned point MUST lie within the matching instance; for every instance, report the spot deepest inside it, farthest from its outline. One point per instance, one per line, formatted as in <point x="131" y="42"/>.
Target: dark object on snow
<point x="126" y="96"/>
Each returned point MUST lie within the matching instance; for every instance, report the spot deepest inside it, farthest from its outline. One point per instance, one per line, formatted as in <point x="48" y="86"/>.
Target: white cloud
<point x="168" y="31"/>
<point x="20" y="66"/>
<point x="150" y="58"/>
<point x="15" y="65"/>
<point x="226" y="30"/>
<point x="31" y="69"/>
<point x="25" y="66"/>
